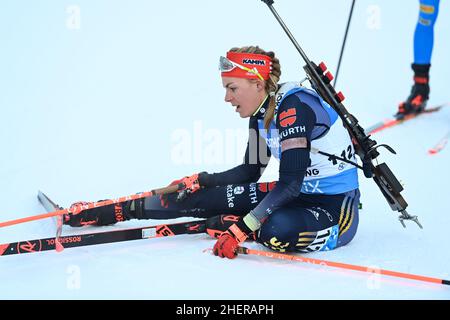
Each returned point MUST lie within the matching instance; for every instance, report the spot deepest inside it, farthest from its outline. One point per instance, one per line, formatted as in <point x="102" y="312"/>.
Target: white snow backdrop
<point x="97" y="97"/>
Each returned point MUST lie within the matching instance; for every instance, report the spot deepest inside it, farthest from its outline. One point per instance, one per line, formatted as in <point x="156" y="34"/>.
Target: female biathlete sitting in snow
<point x="313" y="206"/>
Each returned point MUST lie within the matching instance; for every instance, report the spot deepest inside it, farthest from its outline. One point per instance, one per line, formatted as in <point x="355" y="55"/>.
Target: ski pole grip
<point x="166" y="190"/>
<point x="268" y="2"/>
<point x="242" y="250"/>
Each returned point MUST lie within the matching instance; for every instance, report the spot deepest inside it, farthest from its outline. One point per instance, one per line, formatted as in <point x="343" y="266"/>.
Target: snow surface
<point x="101" y="105"/>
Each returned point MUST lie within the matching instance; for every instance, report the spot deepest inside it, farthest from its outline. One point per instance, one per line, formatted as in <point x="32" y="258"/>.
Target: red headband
<point x="250" y="60"/>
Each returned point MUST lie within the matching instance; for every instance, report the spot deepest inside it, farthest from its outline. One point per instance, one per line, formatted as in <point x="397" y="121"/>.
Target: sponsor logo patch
<point x="426" y="9"/>
<point x="292" y="131"/>
<point x="254" y="61"/>
<point x="288" y="117"/>
<point x="230" y="196"/>
<point x="29" y="246"/>
<point x="253" y="195"/>
<point x="239" y="190"/>
<point x="266" y="187"/>
<point x="312" y="172"/>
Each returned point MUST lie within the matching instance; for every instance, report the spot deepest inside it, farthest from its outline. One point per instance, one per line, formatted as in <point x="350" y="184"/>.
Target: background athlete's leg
<point x="424" y="32"/>
<point x="423" y="48"/>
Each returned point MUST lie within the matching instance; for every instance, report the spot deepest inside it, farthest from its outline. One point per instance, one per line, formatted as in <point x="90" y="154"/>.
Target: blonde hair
<point x="271" y="84"/>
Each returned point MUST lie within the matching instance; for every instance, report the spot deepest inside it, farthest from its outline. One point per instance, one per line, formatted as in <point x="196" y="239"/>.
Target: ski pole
<point x="343" y="42"/>
<point x="76" y="209"/>
<point x="282" y="256"/>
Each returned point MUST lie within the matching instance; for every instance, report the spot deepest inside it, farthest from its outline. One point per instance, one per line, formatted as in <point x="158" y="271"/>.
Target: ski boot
<point x="101" y="216"/>
<point x="419" y="95"/>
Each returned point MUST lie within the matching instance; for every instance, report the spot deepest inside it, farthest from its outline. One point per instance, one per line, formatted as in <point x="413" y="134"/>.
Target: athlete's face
<point x="246" y="95"/>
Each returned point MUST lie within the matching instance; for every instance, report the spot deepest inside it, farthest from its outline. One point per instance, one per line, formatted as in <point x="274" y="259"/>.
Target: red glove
<point x="164" y="197"/>
<point x="229" y="241"/>
<point x="188" y="185"/>
<point x="191" y="184"/>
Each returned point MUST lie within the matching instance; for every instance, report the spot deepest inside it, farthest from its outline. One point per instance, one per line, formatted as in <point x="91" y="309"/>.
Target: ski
<point x="440" y="145"/>
<point x="388" y="123"/>
<point x="88" y="239"/>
